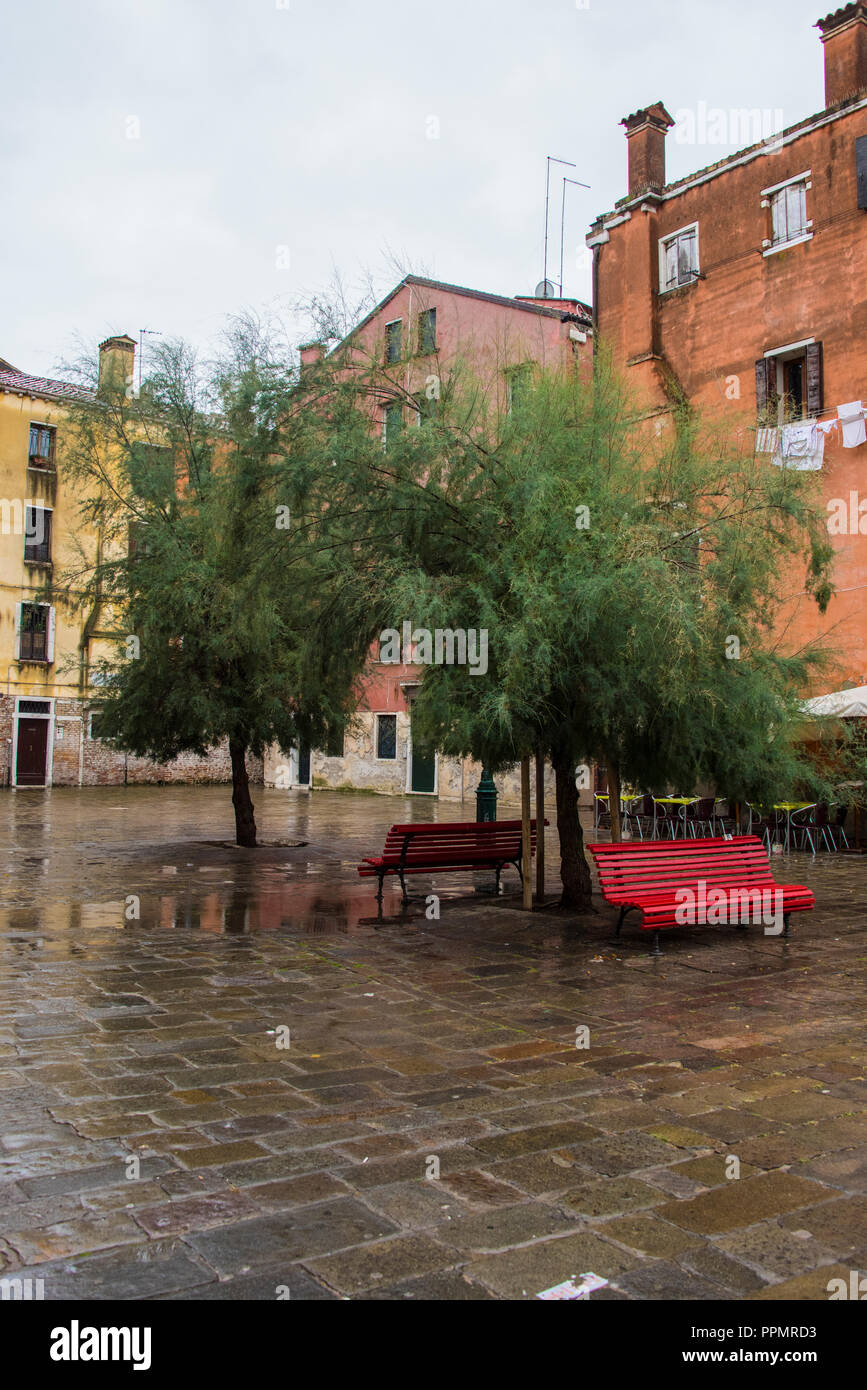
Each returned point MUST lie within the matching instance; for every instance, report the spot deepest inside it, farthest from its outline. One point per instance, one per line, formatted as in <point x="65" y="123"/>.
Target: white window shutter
<point x="49" y="641"/>
<point x="17" y="647"/>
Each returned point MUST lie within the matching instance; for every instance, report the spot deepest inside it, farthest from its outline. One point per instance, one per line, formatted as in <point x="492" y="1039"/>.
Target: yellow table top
<point x="792" y="805"/>
<point x="675" y="800"/>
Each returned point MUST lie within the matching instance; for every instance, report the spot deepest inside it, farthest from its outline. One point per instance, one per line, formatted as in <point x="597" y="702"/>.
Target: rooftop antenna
<point x="549" y="160"/>
<point x="152" y="332"/>
<point x="578" y="184"/>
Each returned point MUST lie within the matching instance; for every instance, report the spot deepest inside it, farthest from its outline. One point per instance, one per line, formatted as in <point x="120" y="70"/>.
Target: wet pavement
<point x="221" y="1076"/>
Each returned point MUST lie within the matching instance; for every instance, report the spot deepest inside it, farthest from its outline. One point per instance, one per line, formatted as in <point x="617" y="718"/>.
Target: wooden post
<point x="526" y="860"/>
<point x="540" y="825"/>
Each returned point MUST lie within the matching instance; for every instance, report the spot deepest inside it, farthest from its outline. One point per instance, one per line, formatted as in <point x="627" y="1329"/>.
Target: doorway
<point x="303" y="777"/>
<point x="423" y="767"/>
<point x="32" y="727"/>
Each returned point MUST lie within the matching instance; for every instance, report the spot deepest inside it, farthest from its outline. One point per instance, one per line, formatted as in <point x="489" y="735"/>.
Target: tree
<point x="222" y="555"/>
<point x="629" y="586"/>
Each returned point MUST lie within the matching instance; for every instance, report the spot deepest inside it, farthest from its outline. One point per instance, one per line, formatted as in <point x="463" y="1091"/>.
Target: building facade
<point x="420" y="333"/>
<point x="743" y="287"/>
<point x="48" y="725"/>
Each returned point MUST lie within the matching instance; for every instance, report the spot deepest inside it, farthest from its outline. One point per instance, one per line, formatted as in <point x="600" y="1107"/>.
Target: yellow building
<point x="47" y="724"/>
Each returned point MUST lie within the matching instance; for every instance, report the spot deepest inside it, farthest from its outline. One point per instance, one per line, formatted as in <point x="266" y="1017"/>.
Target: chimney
<point x="645" y="135"/>
<point x="116" y="365"/>
<point x="844" y="36"/>
<point x="311" y="353"/>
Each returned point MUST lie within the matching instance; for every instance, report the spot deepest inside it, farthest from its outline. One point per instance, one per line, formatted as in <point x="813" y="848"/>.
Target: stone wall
<point x="79" y="760"/>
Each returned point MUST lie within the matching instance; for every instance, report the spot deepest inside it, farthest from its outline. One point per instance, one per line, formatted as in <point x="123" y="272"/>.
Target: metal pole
<point x="526" y="858"/>
<point x="549" y="160"/>
<point x="577" y="184"/>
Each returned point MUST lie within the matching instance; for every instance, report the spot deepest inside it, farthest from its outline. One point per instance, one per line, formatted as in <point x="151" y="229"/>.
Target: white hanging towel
<point x="801" y="447"/>
<point x="767" y="441"/>
<point x="799" y="441"/>
<point x="852" y="420"/>
<point x="828" y="427"/>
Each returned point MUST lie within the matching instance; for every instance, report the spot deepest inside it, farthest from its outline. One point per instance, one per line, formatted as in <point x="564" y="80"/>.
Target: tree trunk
<point x="574" y="870"/>
<point x="614" y="800"/>
<point x="245" y="823"/>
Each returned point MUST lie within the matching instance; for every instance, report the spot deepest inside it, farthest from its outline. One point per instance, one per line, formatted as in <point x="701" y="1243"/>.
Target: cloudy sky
<point x="165" y="163"/>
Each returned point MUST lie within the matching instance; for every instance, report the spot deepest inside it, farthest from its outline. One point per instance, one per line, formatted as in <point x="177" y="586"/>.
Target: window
<point x="37" y="536"/>
<point x="137" y="540"/>
<point x="678" y="259"/>
<point x="427" y="331"/>
<point x="787" y="213"/>
<point x="35" y="632"/>
<point x="393" y="340"/>
<point x="41" y="451"/>
<point x="94" y="724"/>
<point x="789" y="384"/>
<point x="386" y="735"/>
<point x="392" y="422"/>
<point x="520" y="381"/>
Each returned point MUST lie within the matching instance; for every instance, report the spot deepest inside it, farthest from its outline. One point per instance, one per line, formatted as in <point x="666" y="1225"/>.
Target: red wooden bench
<point x="448" y="846"/>
<point x="656" y="878"/>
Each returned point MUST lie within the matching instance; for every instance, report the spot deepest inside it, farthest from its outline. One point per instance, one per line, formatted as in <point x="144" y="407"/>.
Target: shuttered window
<point x="33" y="632"/>
<point x="678" y="261"/>
<point x="790" y="386"/>
<point x="37" y="536"/>
<point x="861" y="169"/>
<point x="393" y="340"/>
<point x="386" y="736"/>
<point x="427" y="331"/>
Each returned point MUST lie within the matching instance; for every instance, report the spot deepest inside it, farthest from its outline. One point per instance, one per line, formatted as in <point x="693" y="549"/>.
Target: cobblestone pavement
<point x="432" y="1130"/>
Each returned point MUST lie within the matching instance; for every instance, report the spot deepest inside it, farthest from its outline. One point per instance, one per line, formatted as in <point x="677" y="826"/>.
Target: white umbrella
<point x="845" y="704"/>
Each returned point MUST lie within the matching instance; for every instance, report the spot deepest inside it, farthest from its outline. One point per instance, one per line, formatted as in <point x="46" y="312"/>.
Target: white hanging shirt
<point x="852" y="420"/>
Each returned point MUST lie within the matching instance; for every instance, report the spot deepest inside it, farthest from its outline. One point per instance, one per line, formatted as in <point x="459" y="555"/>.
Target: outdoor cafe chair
<point x="698" y="817"/>
<point x="723" y="818"/>
<point x="810" y="821"/>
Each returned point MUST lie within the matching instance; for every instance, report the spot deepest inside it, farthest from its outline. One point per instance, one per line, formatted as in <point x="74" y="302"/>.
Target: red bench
<point x="677" y="883"/>
<point x="448" y="846"/>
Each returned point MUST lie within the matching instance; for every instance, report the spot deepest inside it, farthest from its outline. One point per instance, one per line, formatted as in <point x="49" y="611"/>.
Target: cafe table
<point x="682" y="801"/>
<point x="789" y="807"/>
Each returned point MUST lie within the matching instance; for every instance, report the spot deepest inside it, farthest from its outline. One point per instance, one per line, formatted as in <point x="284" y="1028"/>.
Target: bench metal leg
<point x="785" y="924"/>
<point x="656" y="951"/>
<point x="403" y="886"/>
<point x="620" y="921"/>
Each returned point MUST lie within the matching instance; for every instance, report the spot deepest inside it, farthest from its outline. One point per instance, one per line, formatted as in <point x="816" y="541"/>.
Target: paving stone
<point x="292" y="1283"/>
<point x="711" y="1263"/>
<point x="741" y="1203"/>
<point x="211" y="1155"/>
<point x="195" y="1213"/>
<point x="611" y="1197"/>
<point x="813" y="1286"/>
<point x="525" y="1273"/>
<point x="287" y="1236"/>
<point x="450" y="1286"/>
<point x="382" y="1264"/>
<point x="121" y="1274"/>
<point x="664" y="1282"/>
<point x="776" y="1252"/>
<point x="841" y="1225"/>
<point x="624" y="1153"/>
<point x="296" y="1192"/>
<point x="504" y="1227"/>
<point x="648" y="1236"/>
<point x="532" y="1140"/>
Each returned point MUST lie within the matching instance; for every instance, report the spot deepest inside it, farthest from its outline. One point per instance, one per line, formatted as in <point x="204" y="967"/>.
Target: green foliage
<point x="612" y="570"/>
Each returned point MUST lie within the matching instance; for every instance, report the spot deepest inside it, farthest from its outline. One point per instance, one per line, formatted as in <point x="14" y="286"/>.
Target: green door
<point x="423" y="772"/>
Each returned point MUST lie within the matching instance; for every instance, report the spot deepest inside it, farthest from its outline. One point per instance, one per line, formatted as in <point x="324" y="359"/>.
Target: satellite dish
<point x="546" y="289"/>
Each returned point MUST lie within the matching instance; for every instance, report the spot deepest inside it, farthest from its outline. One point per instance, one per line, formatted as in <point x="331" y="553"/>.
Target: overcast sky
<point x="167" y="162"/>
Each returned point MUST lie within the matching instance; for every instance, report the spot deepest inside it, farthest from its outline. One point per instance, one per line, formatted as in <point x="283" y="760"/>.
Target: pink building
<point x="420" y="333"/>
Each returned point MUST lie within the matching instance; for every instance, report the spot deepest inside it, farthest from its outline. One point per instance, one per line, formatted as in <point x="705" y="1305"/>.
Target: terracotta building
<point x="419" y="332"/>
<point x="744" y="286"/>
